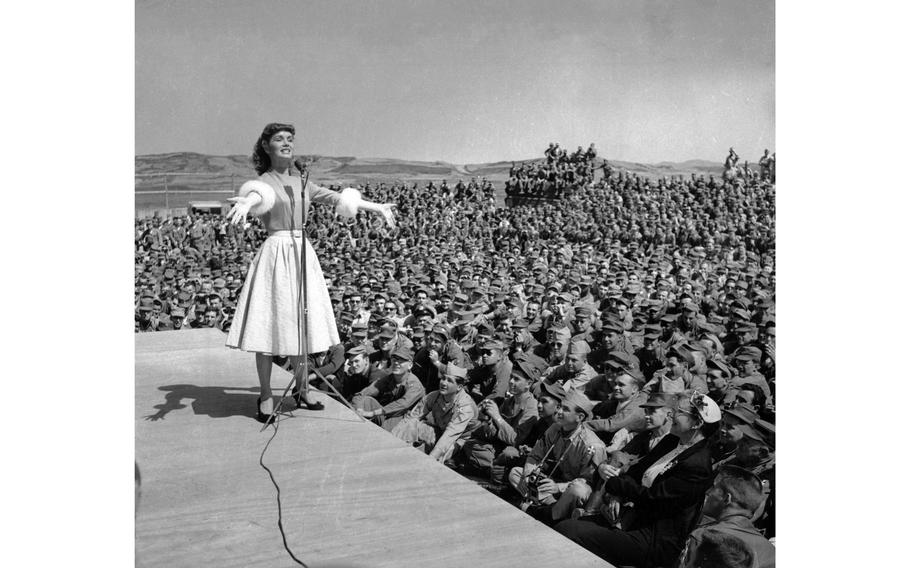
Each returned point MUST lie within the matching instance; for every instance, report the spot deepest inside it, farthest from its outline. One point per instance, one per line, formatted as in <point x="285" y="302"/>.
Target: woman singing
<point x="269" y="315"/>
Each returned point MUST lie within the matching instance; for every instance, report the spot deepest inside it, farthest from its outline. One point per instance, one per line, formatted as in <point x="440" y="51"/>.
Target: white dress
<point x="270" y="309"/>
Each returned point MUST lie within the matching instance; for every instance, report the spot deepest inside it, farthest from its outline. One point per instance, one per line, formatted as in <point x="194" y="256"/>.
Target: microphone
<point x="301" y="165"/>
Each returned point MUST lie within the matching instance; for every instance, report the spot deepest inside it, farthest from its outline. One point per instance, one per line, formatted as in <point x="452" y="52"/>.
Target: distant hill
<point x="349" y="169"/>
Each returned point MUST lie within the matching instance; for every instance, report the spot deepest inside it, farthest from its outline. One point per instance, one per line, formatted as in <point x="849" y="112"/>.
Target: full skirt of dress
<point x="270" y="310"/>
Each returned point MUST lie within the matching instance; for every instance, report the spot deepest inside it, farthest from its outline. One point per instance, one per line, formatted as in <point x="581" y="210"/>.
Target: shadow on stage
<point x="217" y="402"/>
<point x="223" y="402"/>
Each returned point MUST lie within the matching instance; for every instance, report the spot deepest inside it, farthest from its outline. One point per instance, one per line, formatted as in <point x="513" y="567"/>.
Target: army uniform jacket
<point x="735" y="525"/>
<point x="631" y="416"/>
<point x="394" y="396"/>
<point x="519" y="415"/>
<point x="580" y="452"/>
<point x="450" y="420"/>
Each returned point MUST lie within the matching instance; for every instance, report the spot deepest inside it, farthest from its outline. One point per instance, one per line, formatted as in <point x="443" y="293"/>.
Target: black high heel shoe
<point x="263" y="418"/>
<point x="301" y="403"/>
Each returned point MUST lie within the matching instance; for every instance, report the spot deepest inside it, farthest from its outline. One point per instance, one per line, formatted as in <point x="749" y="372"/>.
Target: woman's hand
<point x="385" y="209"/>
<point x="241" y="208"/>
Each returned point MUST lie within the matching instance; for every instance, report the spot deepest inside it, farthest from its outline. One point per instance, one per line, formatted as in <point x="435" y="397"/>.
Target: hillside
<point x="348" y="169"/>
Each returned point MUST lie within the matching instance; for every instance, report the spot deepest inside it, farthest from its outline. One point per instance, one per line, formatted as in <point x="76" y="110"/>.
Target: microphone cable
<point x="301" y="291"/>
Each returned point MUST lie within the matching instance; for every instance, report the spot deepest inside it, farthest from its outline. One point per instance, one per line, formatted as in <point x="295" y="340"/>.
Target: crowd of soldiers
<point x="558" y="175"/>
<point x="543" y="350"/>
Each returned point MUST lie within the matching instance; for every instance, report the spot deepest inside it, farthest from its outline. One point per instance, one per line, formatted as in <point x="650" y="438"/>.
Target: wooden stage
<point x="351" y="494"/>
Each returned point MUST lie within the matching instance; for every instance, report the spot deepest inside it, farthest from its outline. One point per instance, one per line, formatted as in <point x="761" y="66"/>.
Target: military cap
<point x="178" y="313"/>
<point x="146" y="307"/>
<point x="579" y="348"/>
<point x="453" y="370"/>
<point x="620" y="359"/>
<point x="576" y="398"/>
<point x="584" y="311"/>
<point x="388" y="331"/>
<point x="440" y="330"/>
<point x="748" y="353"/>
<point x="689" y="307"/>
<point x="681" y="352"/>
<point x="659" y="399"/>
<point x="418" y="332"/>
<point x="520" y="323"/>
<point x="492" y="345"/>
<point x="746" y="327"/>
<point x="420" y="311"/>
<point x="464" y="318"/>
<point x="720" y="366"/>
<point x="669" y="317"/>
<point x="524" y="369"/>
<point x="555" y="391"/>
<point x="742" y="413"/>
<point x="359" y="349"/>
<point x="358" y="330"/>
<point x="566" y="297"/>
<point x="612" y="325"/>
<point x="402" y="352"/>
<point x="218" y="283"/>
<point x="652" y="331"/>
<point x="740" y="314"/>
<point x="559" y="333"/>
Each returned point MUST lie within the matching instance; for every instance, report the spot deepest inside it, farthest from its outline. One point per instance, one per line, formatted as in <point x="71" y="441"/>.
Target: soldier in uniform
<point x="729" y="506"/>
<point x="178" y="318"/>
<point x="676" y="375"/>
<point x="490" y="378"/>
<point x="505" y="426"/>
<point x="623" y="412"/>
<point x="613" y="339"/>
<point x="356" y="373"/>
<point x="583" y="324"/>
<point x="437" y="352"/>
<point x="388" y="399"/>
<point x="441" y="419"/>
<point x="745" y="361"/>
<point x="559" y="472"/>
<point x="649" y="362"/>
<point x="575" y="372"/>
<point x="555" y="349"/>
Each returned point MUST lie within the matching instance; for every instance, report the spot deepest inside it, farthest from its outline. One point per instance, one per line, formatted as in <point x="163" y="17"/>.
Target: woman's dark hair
<point x="261" y="160"/>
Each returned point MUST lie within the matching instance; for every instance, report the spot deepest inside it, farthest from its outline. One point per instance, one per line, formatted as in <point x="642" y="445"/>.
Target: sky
<point x="461" y="82"/>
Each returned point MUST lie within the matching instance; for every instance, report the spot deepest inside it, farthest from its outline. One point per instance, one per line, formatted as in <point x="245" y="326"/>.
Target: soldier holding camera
<point x="559" y="472"/>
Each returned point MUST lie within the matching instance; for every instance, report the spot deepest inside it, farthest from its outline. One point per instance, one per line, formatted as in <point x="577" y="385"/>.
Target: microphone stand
<point x="303" y="366"/>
